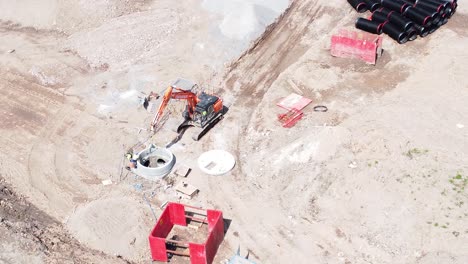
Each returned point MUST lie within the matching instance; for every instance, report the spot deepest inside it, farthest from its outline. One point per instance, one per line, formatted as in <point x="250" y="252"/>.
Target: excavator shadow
<point x="201" y="131"/>
<point x="178" y="137"/>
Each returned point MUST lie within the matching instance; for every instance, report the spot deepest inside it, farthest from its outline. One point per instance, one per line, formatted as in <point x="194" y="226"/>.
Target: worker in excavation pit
<point x="132" y="158"/>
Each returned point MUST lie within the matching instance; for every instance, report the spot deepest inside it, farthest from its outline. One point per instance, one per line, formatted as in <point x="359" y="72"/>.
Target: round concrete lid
<point x="216" y="162"/>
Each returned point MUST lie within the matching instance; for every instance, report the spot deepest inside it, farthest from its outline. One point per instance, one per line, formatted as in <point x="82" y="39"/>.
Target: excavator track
<point x="200" y="132"/>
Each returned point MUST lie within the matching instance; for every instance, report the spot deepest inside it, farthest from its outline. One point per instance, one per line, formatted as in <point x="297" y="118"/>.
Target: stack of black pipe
<point x="404" y="20"/>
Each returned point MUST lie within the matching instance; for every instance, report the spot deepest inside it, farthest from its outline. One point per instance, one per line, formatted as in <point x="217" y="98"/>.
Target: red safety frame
<point x="360" y="45"/>
<point x="176" y="214"/>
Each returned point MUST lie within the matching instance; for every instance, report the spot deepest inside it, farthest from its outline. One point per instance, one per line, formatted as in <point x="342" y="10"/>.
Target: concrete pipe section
<point x="154" y="163"/>
<point x="216" y="162"/>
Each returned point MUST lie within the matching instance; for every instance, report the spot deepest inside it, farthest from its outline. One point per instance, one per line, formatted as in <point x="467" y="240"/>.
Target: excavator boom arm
<point x="168" y="95"/>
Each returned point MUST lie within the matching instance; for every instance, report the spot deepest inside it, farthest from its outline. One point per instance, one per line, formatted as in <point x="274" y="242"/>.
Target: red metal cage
<point x="176" y="214"/>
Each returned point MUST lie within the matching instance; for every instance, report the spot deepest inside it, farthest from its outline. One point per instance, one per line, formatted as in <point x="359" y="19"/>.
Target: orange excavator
<point x="202" y="111"/>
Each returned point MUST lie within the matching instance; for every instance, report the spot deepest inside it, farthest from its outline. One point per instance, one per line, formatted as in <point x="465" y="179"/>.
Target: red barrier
<point x="360" y="45"/>
<point x="198" y="253"/>
<point x="178" y="214"/>
<point x="216" y="233"/>
<point x="175" y="214"/>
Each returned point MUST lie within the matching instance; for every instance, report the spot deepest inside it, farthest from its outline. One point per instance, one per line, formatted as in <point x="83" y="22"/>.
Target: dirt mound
<point x="37" y="232"/>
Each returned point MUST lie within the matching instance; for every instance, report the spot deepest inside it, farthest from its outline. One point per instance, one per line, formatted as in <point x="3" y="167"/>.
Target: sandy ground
<point x="379" y="178"/>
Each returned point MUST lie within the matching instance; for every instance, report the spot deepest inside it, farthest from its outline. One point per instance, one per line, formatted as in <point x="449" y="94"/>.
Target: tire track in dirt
<point x="278" y="48"/>
<point x="260" y="66"/>
<point x="254" y="72"/>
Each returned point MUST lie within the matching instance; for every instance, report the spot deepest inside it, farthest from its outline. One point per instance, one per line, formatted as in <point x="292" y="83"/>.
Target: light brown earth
<point x="380" y="178"/>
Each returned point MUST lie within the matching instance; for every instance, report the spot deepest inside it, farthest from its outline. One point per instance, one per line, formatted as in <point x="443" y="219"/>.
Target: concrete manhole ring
<point x="154" y="163"/>
<point x="216" y="162"/>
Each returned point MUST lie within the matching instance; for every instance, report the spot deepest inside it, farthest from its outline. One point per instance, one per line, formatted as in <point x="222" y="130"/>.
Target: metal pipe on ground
<point x="400" y="21"/>
<point x="369" y="26"/>
<point x="395" y="5"/>
<point x="395" y="33"/>
<point x="358" y="5"/>
<point x="372" y="5"/>
<point x="418" y="17"/>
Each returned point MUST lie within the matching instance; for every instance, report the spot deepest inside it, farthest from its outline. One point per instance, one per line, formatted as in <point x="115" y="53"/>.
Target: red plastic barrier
<point x="198" y="253"/>
<point x="157" y="238"/>
<point x="216" y="233"/>
<point x="178" y="214"/>
<point x="360" y="45"/>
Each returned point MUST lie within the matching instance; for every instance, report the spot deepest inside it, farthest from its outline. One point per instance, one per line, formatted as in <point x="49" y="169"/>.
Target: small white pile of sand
<point x="245" y="19"/>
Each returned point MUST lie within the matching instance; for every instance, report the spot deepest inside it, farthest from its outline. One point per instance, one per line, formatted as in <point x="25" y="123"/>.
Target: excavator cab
<point x="204" y="109"/>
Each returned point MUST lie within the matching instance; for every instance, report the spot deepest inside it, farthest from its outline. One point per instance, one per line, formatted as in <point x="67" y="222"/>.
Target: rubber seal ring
<point x="320" y="108"/>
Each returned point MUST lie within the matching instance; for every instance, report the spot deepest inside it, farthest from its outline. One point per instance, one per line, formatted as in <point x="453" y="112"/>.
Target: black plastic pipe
<point x="369" y="26"/>
<point x="395" y="33"/>
<point x="452" y="2"/>
<point x="418" y="17"/>
<point x="412" y="34"/>
<point x="444" y="4"/>
<point x="433" y="28"/>
<point x="448" y="11"/>
<point x="422" y="31"/>
<point x="444" y="20"/>
<point x="433" y="14"/>
<point x="430" y="6"/>
<point x="400" y="21"/>
<point x="454" y="8"/>
<point x="372" y="5"/>
<point x="358" y="5"/>
<point x="378" y="17"/>
<point x="385" y="11"/>
<point x="395" y="5"/>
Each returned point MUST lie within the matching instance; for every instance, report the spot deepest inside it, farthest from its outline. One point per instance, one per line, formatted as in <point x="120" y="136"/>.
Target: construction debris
<point x="186" y="190"/>
<point x="182" y="170"/>
<point x="294" y="101"/>
<point x="238" y="259"/>
<point x="294" y="86"/>
<point x="106" y="182"/>
<point x="290" y="118"/>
